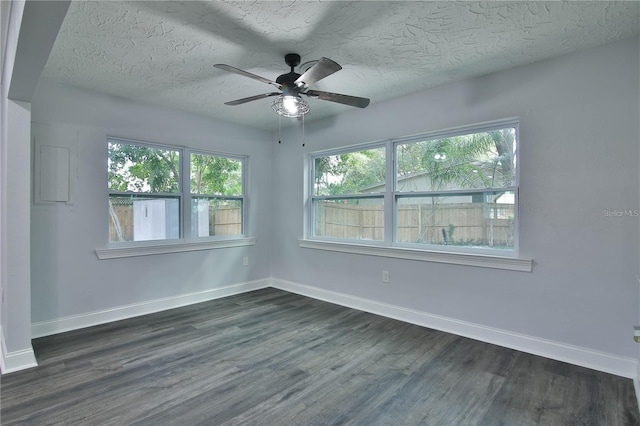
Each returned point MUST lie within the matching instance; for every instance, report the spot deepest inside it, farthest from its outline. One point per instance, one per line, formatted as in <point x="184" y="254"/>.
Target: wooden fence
<point x="472" y="224"/>
<point x="223" y="220"/>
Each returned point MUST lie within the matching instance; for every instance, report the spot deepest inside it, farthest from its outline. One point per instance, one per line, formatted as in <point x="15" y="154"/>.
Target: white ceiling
<point x="162" y="52"/>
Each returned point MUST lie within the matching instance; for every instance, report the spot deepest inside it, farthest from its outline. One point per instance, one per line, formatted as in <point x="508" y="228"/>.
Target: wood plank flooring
<point x="273" y="358"/>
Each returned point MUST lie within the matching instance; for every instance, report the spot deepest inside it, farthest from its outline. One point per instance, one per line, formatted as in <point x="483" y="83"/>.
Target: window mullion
<point x="349" y="196"/>
<point x="389" y="201"/>
<point x="185" y="187"/>
<point x="452" y="192"/>
<point x="145" y="194"/>
<point x="244" y="201"/>
<point x="311" y="229"/>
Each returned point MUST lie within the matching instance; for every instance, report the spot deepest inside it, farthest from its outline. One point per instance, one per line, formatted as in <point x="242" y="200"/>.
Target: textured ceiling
<point x="162" y="52"/>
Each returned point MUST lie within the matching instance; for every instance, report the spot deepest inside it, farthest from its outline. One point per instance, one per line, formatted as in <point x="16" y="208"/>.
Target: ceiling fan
<point x="291" y="85"/>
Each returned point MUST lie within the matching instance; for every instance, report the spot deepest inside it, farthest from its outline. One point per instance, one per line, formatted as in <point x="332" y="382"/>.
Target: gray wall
<point x="579" y="156"/>
<point x="67" y="277"/>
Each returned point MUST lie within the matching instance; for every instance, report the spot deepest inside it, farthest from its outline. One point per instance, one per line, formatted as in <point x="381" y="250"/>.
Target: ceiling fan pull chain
<point x="303" y="130"/>
<point x="279" y="130"/>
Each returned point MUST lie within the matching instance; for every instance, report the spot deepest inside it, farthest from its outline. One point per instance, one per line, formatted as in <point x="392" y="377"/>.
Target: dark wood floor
<point x="273" y="358"/>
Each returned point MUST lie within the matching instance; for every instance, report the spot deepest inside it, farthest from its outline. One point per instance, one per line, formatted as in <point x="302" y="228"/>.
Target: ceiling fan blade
<point x="252" y="98"/>
<point x="337" y="97"/>
<point x="229" y="68"/>
<point x="321" y="69"/>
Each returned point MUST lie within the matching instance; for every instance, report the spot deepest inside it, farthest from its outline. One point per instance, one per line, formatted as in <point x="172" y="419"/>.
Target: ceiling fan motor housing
<point x="292" y="59"/>
<point x="287" y="80"/>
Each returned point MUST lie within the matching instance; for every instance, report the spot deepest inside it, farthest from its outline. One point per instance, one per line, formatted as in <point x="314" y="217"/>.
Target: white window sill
<point x="164" y="247"/>
<point x="467" y="259"/>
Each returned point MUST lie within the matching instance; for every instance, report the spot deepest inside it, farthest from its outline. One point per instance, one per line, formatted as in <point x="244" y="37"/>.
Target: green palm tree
<point x="480" y="160"/>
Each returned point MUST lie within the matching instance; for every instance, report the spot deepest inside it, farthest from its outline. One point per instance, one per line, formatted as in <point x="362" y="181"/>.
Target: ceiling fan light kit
<point x="289" y="102"/>
<point x="290" y="106"/>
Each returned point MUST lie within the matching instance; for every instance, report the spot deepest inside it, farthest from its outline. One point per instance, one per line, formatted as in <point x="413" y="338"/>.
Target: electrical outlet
<point x="385" y="276"/>
<point x="245" y="261"/>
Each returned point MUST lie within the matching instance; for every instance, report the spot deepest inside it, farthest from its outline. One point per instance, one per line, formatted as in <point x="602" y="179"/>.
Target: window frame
<point x="242" y="197"/>
<point x="186" y="241"/>
<point x="165" y="195"/>
<point x="309" y="231"/>
<point x="460" y="131"/>
<point x="390" y="245"/>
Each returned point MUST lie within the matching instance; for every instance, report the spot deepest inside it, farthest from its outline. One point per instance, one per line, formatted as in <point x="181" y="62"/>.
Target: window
<point x="454" y="190"/>
<point x="216" y="195"/>
<point x="348" y="195"/>
<point x="151" y="198"/>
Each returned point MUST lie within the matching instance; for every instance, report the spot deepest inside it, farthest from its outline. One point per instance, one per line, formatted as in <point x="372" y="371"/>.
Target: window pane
<point x="473" y="161"/>
<point x="353" y="219"/>
<point x="213" y="175"/>
<point x="357" y="172"/>
<point x="212" y="216"/>
<point x="143" y="169"/>
<point x="143" y="218"/>
<point x="468" y="220"/>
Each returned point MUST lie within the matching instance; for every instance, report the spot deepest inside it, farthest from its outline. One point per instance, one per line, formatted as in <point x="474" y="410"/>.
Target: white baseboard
<point x="17" y="360"/>
<point x="601" y="361"/>
<point x="75" y="322"/>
